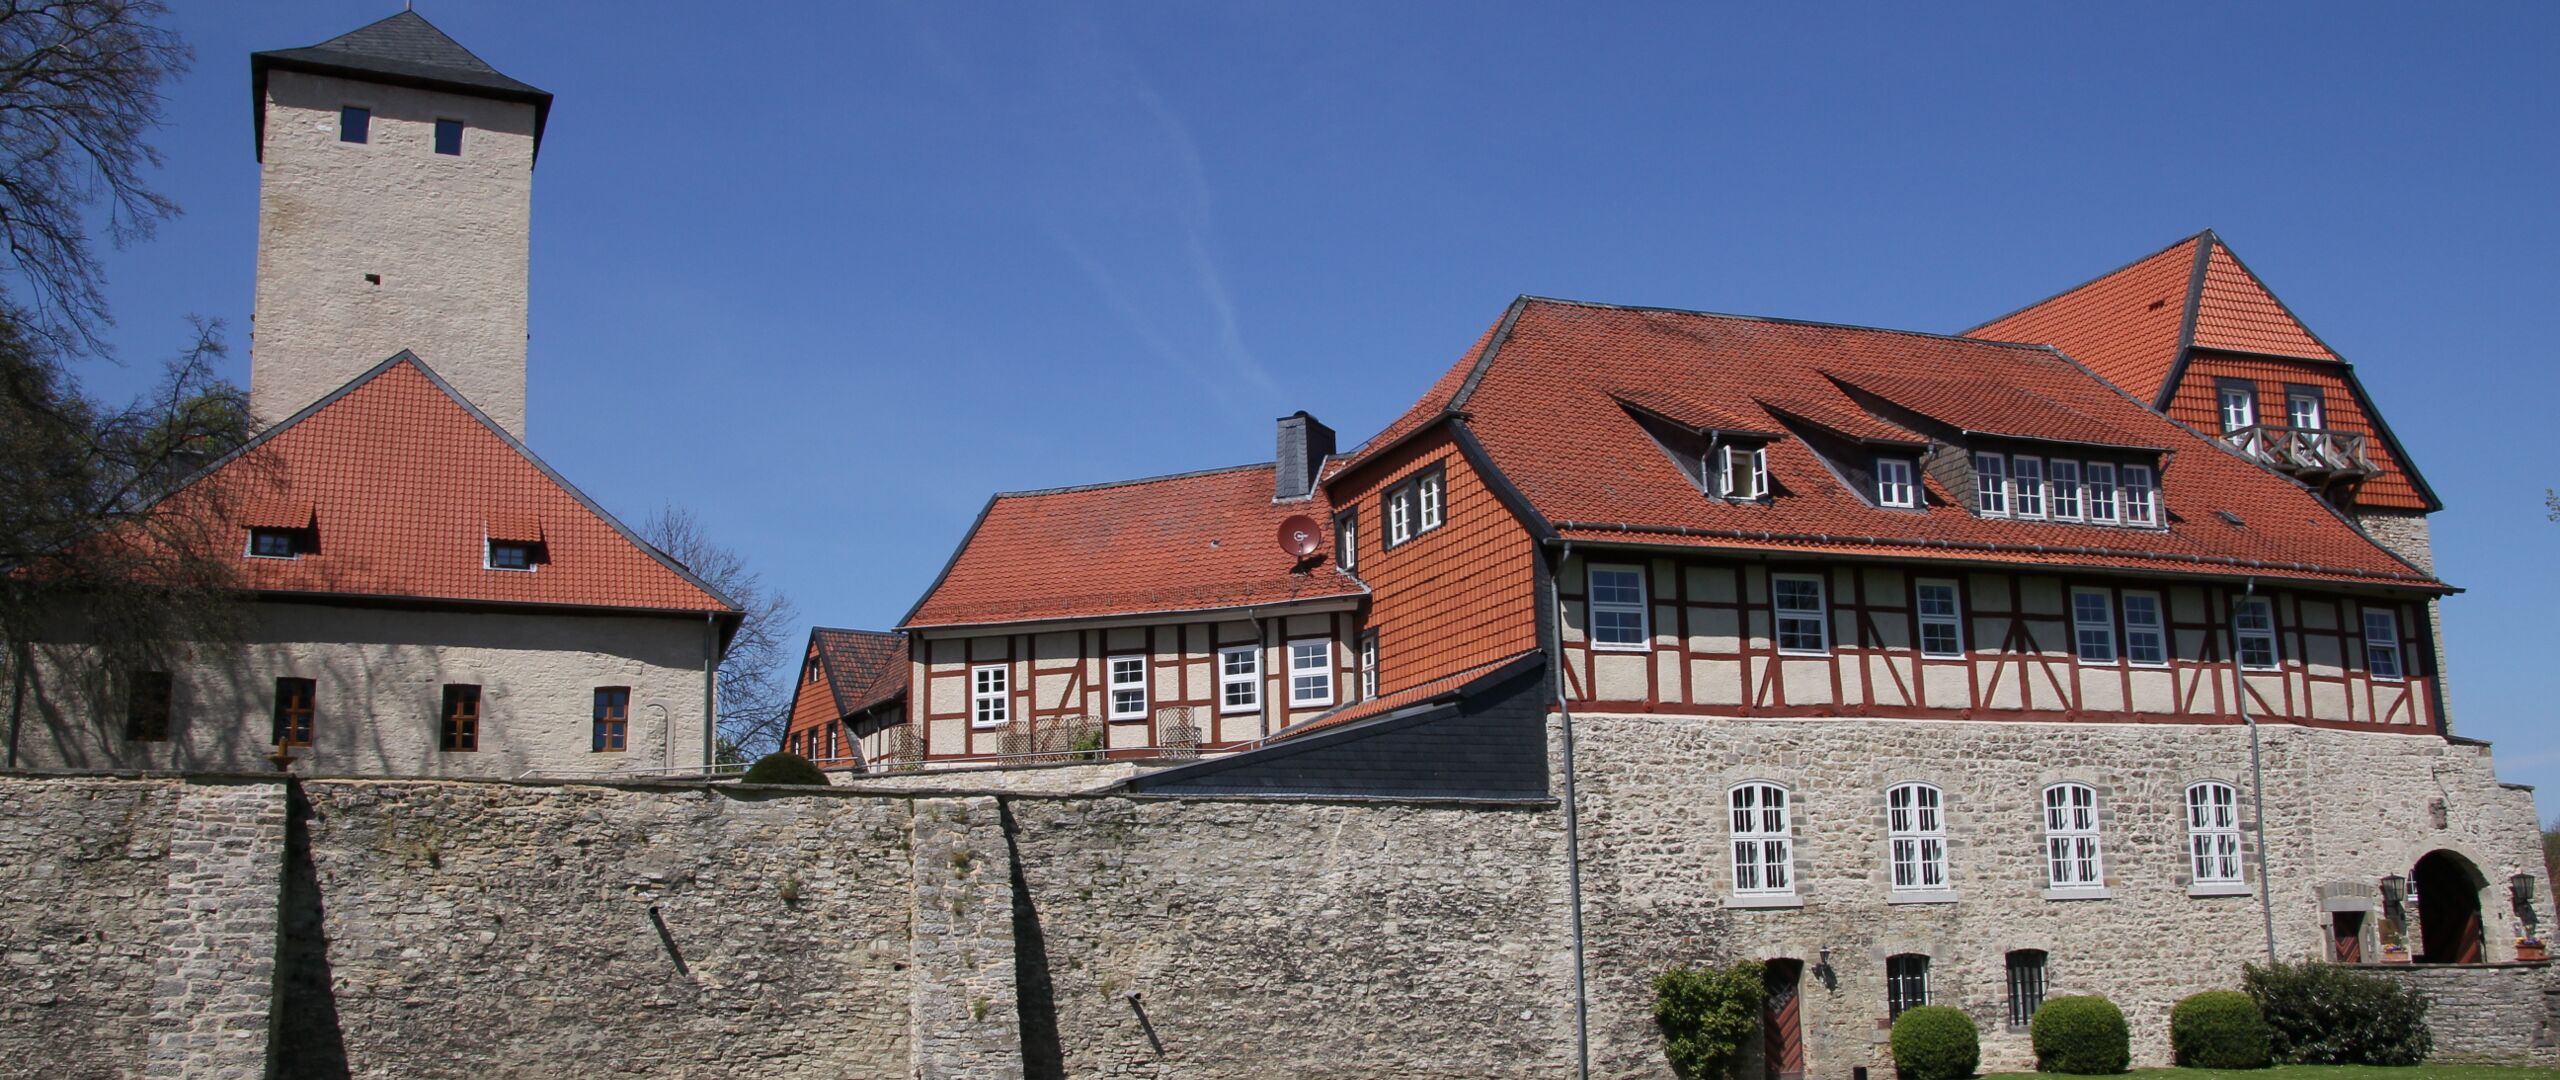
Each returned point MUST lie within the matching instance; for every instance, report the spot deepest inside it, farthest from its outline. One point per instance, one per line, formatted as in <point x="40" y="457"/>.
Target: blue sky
<point x="830" y="274"/>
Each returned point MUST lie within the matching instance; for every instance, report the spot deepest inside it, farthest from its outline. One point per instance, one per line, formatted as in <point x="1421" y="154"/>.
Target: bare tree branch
<point x="755" y="698"/>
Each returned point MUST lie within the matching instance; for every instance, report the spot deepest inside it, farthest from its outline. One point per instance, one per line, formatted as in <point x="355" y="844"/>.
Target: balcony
<point x="2313" y="455"/>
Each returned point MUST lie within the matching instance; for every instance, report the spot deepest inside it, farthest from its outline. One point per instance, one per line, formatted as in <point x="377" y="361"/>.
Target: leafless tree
<point x="755" y="697"/>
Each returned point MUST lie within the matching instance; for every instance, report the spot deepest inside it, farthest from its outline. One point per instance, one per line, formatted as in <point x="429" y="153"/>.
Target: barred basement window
<point x="1918" y="833"/>
<point x="2072" y="858"/>
<point x="2382" y="643"/>
<point x="612" y="719"/>
<point x="1941" y="620"/>
<point x="461" y="718"/>
<point x="1906" y="983"/>
<point x="294" y="716"/>
<point x="146" y="709"/>
<point x="1128" y="687"/>
<point x="2254" y="625"/>
<point x="1239" y="678"/>
<point x="990" y="699"/>
<point x="2026" y="986"/>
<point x="2213" y="833"/>
<point x="1763" y="841"/>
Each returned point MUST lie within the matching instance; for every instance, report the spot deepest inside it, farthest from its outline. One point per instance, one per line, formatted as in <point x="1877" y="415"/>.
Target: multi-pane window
<point x="2102" y="493"/>
<point x="2146" y="635"/>
<point x="1906" y="982"/>
<point x="1941" y="620"/>
<point x="355" y="123"/>
<point x="613" y="719"/>
<point x="1369" y="666"/>
<point x="2026" y="986"/>
<point x="1804" y="626"/>
<point x="2141" y="496"/>
<point x="1743" y="472"/>
<point x="459" y="720"/>
<point x="1428" y="492"/>
<point x="2213" y="833"/>
<point x="1917" y="831"/>
<point x="512" y="555"/>
<point x="274" y="544"/>
<point x="990" y="695"/>
<point x="1416" y="506"/>
<point x="1311" y="672"/>
<point x="1763" y="843"/>
<point x="295" y="712"/>
<point x="1991" y="484"/>
<point x="2026" y="487"/>
<point x="2063" y="490"/>
<point x="449" y="137"/>
<point x="1618" y="614"/>
<point x="1128" y="687"/>
<point x="2254" y="625"/>
<point x="2072" y="859"/>
<point x="1240" y="678"/>
<point x="2382" y="643"/>
<point x="146" y="706"/>
<point x="2239" y="406"/>
<point x="2093" y="626"/>
<point x="2302" y="408"/>
<point x="1894" y="485"/>
<point x="1399" y="510"/>
<point x="1346" y="539"/>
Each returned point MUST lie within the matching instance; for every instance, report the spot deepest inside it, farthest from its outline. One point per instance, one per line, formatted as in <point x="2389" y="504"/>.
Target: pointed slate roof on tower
<point x="403" y="50"/>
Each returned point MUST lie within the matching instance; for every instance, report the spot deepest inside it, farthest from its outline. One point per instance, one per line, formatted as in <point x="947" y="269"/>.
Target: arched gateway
<point x="2448" y="895"/>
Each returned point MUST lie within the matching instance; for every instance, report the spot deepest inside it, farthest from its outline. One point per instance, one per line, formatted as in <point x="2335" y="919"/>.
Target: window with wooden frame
<point x="2146" y="633"/>
<point x="460" y="718"/>
<point x="2253" y="627"/>
<point x="1416" y="506"/>
<point x="2026" y="487"/>
<point x="1742" y="472"/>
<point x="1397" y="510"/>
<point x="2093" y="626"/>
<point x="1894" y="484"/>
<point x="1916" y="831"/>
<point x="1310" y="672"/>
<point x="1369" y="665"/>
<point x="1128" y="687"/>
<point x="2141" y="496"/>
<point x="518" y="555"/>
<point x="1991" y="484"/>
<point x="1428" y="494"/>
<point x="2239" y="403"/>
<point x="1240" y="678"/>
<point x="612" y="719"/>
<point x="146" y="705"/>
<point x="990" y="695"/>
<point x="2026" y="985"/>
<point x="2303" y="409"/>
<point x="1620" y="616"/>
<point x="809" y="671"/>
<point x="295" y="714"/>
<point x="2382" y="644"/>
<point x="2073" y="860"/>
<point x="2101" y="493"/>
<point x="1941" y="618"/>
<point x="1346" y="539"/>
<point x="1802" y="615"/>
<point x="2213" y="833"/>
<point x="267" y="543"/>
<point x="1906" y="983"/>
<point x="2062" y="489"/>
<point x="1764" y="860"/>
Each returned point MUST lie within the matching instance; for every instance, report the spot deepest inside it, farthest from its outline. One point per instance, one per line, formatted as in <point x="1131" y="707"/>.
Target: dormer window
<point x="1894" y="485"/>
<point x="1991" y="484"/>
<point x="2141" y="496"/>
<point x="2239" y="405"/>
<point x="515" y="555"/>
<point x="2102" y="493"/>
<point x="1416" y="506"/>
<point x="2302" y="409"/>
<point x="1742" y="472"/>
<point x="275" y="543"/>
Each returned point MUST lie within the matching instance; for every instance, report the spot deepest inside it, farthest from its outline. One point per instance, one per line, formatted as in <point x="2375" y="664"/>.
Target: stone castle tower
<point x="394" y="212"/>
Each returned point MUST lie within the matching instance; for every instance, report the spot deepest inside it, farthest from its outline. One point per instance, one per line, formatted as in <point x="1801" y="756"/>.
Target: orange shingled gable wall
<point x="813" y="704"/>
<point x="2197" y="405"/>
<point x="1454" y="598"/>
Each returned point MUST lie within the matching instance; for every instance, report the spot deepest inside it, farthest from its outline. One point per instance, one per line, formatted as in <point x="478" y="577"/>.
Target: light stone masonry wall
<point x="2505" y="1014"/>
<point x="84" y="882"/>
<point x="215" y="968"/>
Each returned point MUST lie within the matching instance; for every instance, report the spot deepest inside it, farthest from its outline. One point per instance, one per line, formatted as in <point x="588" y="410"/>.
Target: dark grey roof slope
<point x="404" y="50"/>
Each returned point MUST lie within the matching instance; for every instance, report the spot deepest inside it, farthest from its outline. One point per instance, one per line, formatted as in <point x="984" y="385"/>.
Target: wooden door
<point x="1781" y="1029"/>
<point x="2346" y="933"/>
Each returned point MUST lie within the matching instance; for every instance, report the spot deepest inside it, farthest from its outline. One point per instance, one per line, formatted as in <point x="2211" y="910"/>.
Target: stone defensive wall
<point x="204" y="926"/>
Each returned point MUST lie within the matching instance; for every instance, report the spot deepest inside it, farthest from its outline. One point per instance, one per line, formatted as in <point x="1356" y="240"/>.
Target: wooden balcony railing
<point x="2312" y="453"/>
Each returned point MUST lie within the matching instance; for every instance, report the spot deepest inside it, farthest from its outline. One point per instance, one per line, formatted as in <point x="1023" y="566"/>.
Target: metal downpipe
<point x="1572" y="834"/>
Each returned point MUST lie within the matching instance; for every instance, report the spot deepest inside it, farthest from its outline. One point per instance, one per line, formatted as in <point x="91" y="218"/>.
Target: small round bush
<point x="1935" y="1042"/>
<point x="783" y="768"/>
<point x="2082" y="1035"/>
<point x="2218" y="1029"/>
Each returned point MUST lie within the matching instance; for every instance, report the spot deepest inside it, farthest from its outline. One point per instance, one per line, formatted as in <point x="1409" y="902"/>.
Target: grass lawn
<point x="2319" y="1072"/>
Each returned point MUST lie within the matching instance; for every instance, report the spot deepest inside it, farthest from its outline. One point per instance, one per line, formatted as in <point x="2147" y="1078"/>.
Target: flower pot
<point x="2395" y="954"/>
<point x="2533" y="952"/>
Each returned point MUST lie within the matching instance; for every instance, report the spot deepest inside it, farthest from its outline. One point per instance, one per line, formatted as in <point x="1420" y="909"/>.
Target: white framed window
<point x="1917" y="830"/>
<point x="2213" y="833"/>
<point x="1742" y="472"/>
<point x="1311" y="672"/>
<point x="1399" y="517"/>
<point x="2302" y="410"/>
<point x="1894" y="486"/>
<point x="2141" y="496"/>
<point x="2063" y="489"/>
<point x="990" y="696"/>
<point x="1991" y="484"/>
<point x="1346" y="540"/>
<point x="1128" y="687"/>
<point x="2382" y="643"/>
<point x="2239" y="406"/>
<point x="1941" y="619"/>
<point x="2101" y="493"/>
<point x="2146" y="631"/>
<point x="2093" y="626"/>
<point x="1804" y="620"/>
<point x="1240" y="678"/>
<point x="2026" y="487"/>
<point x="1763" y="840"/>
<point x="2072" y="858"/>
<point x="1369" y="665"/>
<point x="2253" y="626"/>
<point x="1619" y="613"/>
<point x="1428" y="491"/>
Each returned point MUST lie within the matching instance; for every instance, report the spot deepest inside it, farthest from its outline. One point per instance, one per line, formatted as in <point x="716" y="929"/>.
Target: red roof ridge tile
<point x="2206" y="234"/>
<point x="1105" y="485"/>
<point x="1818" y="324"/>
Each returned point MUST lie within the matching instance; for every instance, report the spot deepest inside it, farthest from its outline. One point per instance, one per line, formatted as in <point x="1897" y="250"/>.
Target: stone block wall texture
<point x="83" y="884"/>
<point x="2508" y="1014"/>
<point x="214" y="972"/>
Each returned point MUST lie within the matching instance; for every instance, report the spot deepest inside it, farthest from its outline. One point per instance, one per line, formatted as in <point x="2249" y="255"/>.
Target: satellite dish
<point x="1299" y="536"/>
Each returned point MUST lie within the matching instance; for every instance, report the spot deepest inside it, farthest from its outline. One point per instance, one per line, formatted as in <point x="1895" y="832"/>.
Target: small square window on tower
<point x="449" y="137"/>
<point x="354" y="123"/>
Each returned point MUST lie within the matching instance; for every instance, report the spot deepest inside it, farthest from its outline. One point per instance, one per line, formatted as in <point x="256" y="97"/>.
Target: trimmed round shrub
<point x="1935" y="1042"/>
<point x="1707" y="1016"/>
<point x="783" y="768"/>
<point x="2082" y="1035"/>
<point x="2323" y="1014"/>
<point x="2218" y="1029"/>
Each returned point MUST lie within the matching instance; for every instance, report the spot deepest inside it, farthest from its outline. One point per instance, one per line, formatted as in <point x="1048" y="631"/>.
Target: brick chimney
<point x="1304" y="444"/>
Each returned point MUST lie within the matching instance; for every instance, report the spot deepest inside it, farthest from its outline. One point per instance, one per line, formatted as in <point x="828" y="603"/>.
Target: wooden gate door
<point x="1781" y="1030"/>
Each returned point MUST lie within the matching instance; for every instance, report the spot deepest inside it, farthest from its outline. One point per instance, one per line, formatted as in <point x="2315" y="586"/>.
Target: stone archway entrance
<point x="2448" y="888"/>
<point x="1781" y="1022"/>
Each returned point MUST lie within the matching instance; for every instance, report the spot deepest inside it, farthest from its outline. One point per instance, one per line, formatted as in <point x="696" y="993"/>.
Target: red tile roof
<point x="864" y="667"/>
<point x="1446" y="686"/>
<point x="1193" y="542"/>
<point x="404" y="482"/>
<point x="2127" y="325"/>
<point x="2235" y="311"/>
<point x="1970" y="403"/>
<point x="1542" y="407"/>
<point x="1434" y="402"/>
